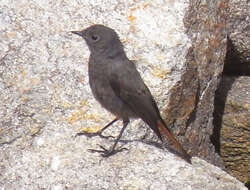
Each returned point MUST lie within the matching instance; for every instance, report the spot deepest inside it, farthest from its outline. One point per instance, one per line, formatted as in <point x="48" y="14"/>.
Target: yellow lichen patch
<point x="76" y="116"/>
<point x="160" y="73"/>
<point x="81" y="115"/>
<point x="146" y="5"/>
<point x="124" y="40"/>
<point x="49" y="109"/>
<point x="131" y="18"/>
<point x="92" y="117"/>
<point x="35" y="130"/>
<point x="66" y="105"/>
<point x="11" y="34"/>
<point x="133" y="9"/>
<point x="84" y="103"/>
<point x="92" y="129"/>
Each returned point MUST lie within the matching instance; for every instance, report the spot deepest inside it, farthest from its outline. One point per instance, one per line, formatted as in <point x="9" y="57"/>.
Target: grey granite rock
<point x="45" y="97"/>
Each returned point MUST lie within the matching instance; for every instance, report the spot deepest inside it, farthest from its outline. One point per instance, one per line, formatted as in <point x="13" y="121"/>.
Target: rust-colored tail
<point x="164" y="130"/>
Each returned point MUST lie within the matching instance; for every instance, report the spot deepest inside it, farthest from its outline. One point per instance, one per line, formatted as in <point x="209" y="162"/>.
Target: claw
<point x="98" y="133"/>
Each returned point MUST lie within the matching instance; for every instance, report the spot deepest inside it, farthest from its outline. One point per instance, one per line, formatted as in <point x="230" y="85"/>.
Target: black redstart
<point x="118" y="86"/>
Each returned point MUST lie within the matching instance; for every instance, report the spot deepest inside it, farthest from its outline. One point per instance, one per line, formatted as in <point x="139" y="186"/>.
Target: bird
<point x="118" y="86"/>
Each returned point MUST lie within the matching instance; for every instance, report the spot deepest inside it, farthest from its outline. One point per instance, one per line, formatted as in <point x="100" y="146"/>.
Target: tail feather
<point x="164" y="130"/>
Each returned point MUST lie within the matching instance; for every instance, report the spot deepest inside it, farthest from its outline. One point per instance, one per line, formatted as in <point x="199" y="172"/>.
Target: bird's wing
<point x="130" y="88"/>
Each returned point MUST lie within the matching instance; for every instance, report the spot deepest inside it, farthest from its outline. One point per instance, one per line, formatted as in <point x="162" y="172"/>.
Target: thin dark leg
<point x="99" y="133"/>
<point x="109" y="152"/>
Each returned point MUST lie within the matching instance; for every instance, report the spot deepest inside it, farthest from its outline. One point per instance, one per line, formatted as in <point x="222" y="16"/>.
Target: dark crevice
<point x="233" y="67"/>
<point x="233" y="63"/>
<point x="219" y="106"/>
<point x="222" y="91"/>
<point x="247" y="184"/>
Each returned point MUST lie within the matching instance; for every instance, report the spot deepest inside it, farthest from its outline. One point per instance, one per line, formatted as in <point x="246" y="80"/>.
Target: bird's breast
<point x="104" y="94"/>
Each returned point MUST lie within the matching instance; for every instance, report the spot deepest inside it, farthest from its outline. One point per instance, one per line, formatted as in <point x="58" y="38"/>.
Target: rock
<point x="231" y="135"/>
<point x="232" y="115"/>
<point x="46" y="99"/>
<point x="48" y="164"/>
<point x="238" y="27"/>
<point x="194" y="97"/>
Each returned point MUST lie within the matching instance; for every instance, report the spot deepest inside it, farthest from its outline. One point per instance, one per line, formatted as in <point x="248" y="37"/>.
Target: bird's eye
<point x="95" y="37"/>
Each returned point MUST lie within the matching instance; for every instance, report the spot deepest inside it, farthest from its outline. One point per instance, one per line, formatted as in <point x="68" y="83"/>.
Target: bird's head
<point x="100" y="39"/>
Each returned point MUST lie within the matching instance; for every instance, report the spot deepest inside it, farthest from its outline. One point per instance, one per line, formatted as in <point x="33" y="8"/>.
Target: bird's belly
<point x="105" y="95"/>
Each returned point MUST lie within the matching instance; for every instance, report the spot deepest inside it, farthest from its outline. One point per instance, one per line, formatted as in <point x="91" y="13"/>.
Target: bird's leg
<point x="109" y="152"/>
<point x="99" y="133"/>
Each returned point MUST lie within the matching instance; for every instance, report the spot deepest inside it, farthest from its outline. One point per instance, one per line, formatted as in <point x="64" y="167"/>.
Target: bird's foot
<point x="93" y="134"/>
<point x="107" y="152"/>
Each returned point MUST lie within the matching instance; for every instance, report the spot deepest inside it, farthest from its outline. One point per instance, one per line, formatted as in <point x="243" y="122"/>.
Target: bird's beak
<point x="79" y="33"/>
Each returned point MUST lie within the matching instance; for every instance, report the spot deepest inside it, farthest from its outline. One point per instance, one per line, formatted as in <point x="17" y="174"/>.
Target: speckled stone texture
<point x="231" y="131"/>
<point x="45" y="96"/>
<point x="206" y="25"/>
<point x="232" y="115"/>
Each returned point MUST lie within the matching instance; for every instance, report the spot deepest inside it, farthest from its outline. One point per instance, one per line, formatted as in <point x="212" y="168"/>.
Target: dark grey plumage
<point x="118" y="86"/>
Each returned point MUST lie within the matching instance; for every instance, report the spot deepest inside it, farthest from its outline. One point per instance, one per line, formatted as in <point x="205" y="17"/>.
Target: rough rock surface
<point x="232" y="115"/>
<point x="191" y="103"/>
<point x="45" y="97"/>
<point x="47" y="164"/>
<point x="238" y="27"/>
<point x="231" y="129"/>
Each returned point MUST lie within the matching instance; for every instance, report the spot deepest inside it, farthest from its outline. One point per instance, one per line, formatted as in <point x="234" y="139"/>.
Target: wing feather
<point x="131" y="89"/>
